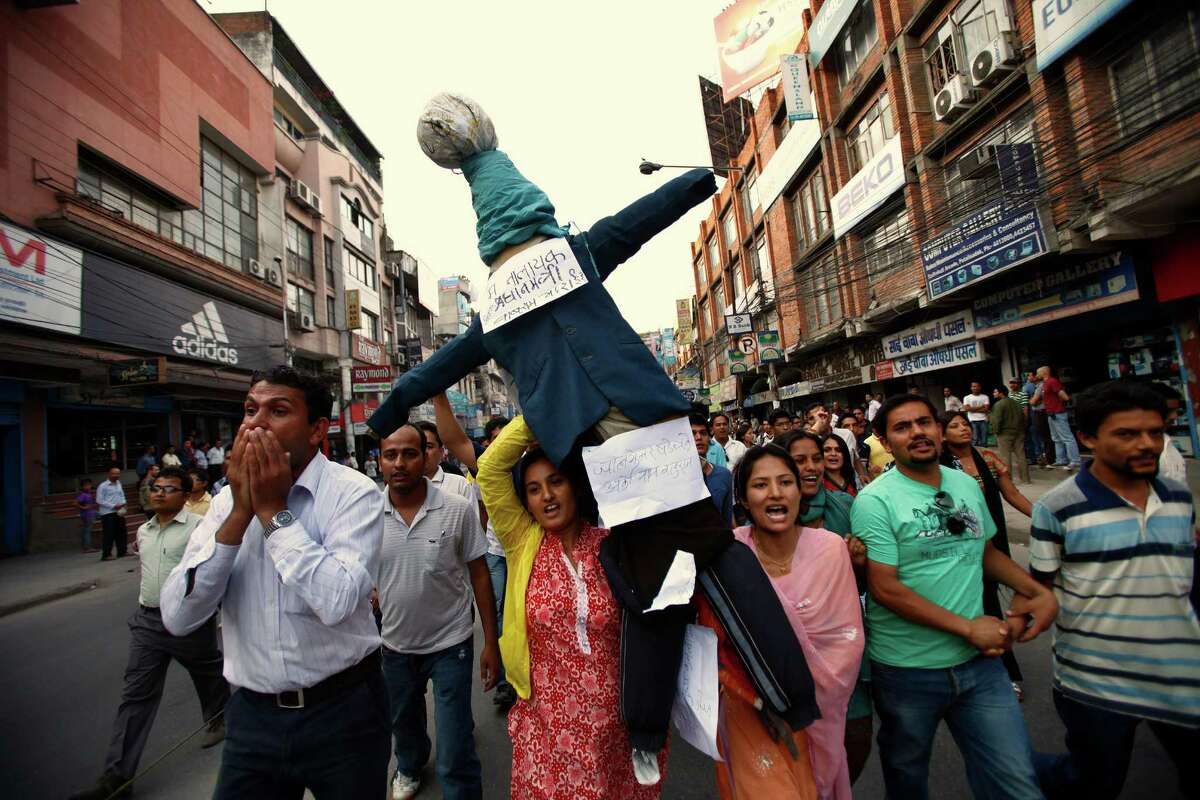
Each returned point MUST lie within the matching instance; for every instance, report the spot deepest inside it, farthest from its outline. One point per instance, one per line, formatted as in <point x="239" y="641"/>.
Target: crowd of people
<point x="342" y="601"/>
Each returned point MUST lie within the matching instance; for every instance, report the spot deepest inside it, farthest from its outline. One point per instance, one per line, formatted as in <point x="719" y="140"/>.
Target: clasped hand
<point x="259" y="472"/>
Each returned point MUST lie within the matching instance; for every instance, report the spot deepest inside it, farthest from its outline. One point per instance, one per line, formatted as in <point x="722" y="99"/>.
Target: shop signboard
<point x="688" y="394"/>
<point x="781" y="167"/>
<point x="683" y="320"/>
<point x="942" y="331"/>
<point x="751" y="36"/>
<point x="762" y="397"/>
<point x="412" y="351"/>
<point x="939" y="358"/>
<point x="984" y="244"/>
<point x="370" y="379"/>
<point x="178" y="321"/>
<point x="826" y="25"/>
<point x="365" y="350"/>
<point x="794" y="390"/>
<point x="870" y="186"/>
<point x="769" y="347"/>
<point x="1099" y="282"/>
<point x="739" y="362"/>
<point x="137" y="371"/>
<point x="40" y="281"/>
<point x="728" y="390"/>
<point x="884" y="371"/>
<point x="458" y="401"/>
<point x="738" y="323"/>
<point x="1058" y="25"/>
<point x="797" y="93"/>
<point x="353" y="310"/>
<point x="669" y="352"/>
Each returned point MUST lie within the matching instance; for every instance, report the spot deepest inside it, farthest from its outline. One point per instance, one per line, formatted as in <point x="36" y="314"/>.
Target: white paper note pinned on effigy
<point x="679" y="585"/>
<point x="645" y="472"/>
<point x="696" y="709"/>
<point x="529" y="280"/>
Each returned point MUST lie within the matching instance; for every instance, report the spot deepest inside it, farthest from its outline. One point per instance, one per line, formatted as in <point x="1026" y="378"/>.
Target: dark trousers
<point x="450" y="671"/>
<point x="1099" y="744"/>
<point x="636" y="557"/>
<point x="337" y="749"/>
<point x="113" y="526"/>
<point x="151" y="649"/>
<point x="979" y="432"/>
<point x="215" y="473"/>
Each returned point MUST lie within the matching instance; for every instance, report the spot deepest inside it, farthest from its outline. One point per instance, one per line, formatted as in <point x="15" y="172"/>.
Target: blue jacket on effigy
<point x="577" y="356"/>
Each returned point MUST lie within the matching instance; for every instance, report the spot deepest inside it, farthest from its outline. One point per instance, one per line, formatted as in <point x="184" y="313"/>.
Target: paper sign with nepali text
<point x="696" y="710"/>
<point x="645" y="472"/>
<point x="529" y="280"/>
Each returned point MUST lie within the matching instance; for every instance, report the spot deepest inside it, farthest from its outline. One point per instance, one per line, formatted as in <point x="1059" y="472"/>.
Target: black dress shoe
<point x="109" y="785"/>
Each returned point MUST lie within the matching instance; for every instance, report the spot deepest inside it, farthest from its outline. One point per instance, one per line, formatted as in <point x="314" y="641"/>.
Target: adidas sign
<point x="204" y="337"/>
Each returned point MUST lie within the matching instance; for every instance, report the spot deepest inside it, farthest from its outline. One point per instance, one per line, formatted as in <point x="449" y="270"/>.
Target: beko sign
<point x="869" y="187"/>
<point x="127" y="306"/>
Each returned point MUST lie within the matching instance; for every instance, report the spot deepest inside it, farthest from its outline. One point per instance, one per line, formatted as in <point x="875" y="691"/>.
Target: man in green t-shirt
<point x="933" y="651"/>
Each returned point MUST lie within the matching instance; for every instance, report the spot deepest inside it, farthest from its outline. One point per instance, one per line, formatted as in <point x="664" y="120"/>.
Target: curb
<point x="48" y="597"/>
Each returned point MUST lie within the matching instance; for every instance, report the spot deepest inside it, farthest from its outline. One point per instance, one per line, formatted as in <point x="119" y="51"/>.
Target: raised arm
<point x="509" y="518"/>
<point x="453" y="437"/>
<point x="444" y="368"/>
<point x="614" y="240"/>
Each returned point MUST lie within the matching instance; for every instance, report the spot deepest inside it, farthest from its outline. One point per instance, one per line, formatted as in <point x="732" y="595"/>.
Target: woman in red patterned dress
<point x="561" y="641"/>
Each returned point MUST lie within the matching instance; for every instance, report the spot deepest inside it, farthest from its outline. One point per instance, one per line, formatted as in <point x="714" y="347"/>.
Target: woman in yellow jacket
<point x="561" y="642"/>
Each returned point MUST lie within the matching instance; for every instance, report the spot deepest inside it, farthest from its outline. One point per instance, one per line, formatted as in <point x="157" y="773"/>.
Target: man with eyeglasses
<point x="162" y="540"/>
<point x="934" y="654"/>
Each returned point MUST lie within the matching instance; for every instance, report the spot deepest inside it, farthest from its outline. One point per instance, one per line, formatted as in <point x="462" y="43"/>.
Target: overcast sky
<point x="579" y="93"/>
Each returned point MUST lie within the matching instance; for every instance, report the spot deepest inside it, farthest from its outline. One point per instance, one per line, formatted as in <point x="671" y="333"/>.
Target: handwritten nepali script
<point x="645" y="472"/>
<point x="696" y="701"/>
<point x="530" y="280"/>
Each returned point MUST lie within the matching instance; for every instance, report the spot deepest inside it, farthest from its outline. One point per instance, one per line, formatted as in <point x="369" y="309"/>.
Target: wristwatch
<point x="280" y="520"/>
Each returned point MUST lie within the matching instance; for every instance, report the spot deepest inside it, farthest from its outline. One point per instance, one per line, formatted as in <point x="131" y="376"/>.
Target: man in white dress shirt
<point x="734" y="450"/>
<point x="290" y="551"/>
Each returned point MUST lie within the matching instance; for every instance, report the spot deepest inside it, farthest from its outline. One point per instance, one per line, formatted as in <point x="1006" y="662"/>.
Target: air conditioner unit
<point x="977" y="163"/>
<point x="316" y="203"/>
<point x="995" y="61"/>
<point x="273" y="276"/>
<point x="301" y="192"/>
<point x="255" y="269"/>
<point x="307" y="323"/>
<point x="954" y="98"/>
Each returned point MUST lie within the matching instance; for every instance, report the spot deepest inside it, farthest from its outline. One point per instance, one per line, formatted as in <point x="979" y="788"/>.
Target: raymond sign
<point x="751" y="37"/>
<point x="353" y="310"/>
<point x="365" y="350"/>
<point x="370" y="379"/>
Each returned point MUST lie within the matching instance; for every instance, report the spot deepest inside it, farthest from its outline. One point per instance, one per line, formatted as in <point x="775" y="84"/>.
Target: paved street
<point x="62" y="664"/>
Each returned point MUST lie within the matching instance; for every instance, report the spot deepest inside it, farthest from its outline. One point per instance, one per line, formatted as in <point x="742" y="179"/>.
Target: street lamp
<point x="649" y="167"/>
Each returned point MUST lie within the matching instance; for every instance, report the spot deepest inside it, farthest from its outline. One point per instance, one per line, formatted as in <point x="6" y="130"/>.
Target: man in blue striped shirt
<point x="1118" y="543"/>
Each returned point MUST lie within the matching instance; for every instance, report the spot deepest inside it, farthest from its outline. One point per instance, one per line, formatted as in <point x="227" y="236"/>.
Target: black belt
<point x="331" y="687"/>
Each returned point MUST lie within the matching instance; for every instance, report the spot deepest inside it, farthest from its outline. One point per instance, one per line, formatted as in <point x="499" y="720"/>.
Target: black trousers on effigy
<point x="636" y="557"/>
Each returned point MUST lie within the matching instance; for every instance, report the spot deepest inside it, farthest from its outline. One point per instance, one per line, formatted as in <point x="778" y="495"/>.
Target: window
<point x="703" y="320"/>
<point x="810" y="210"/>
<point x="940" y="57"/>
<point x="292" y="128"/>
<point x="301" y="300"/>
<point x="747" y="215"/>
<point x="360" y="269"/>
<point x="714" y="258"/>
<point x="298" y="241"/>
<point x="330" y="281"/>
<point x="1158" y="75"/>
<point x="729" y="231"/>
<point x="820" y="285"/>
<point x="752" y="191"/>
<point x="99" y="182"/>
<point x="762" y="256"/>
<point x="855" y="41"/>
<point x="330" y="311"/>
<point x="782" y="126"/>
<point x="887" y="247"/>
<point x="370" y="326"/>
<point x="966" y="197"/>
<point x="971" y="28"/>
<point x="871" y="133"/>
<point x="353" y="215"/>
<point x="226" y="225"/>
<point x="721" y="303"/>
<point x="739" y="291"/>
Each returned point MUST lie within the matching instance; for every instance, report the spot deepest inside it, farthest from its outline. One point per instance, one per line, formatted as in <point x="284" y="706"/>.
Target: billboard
<point x="1058" y="25"/>
<point x="869" y="188"/>
<point x="370" y="379"/>
<point x="174" y="320"/>
<point x="751" y="37"/>
<point x="39" y="280"/>
<point x="989" y="241"/>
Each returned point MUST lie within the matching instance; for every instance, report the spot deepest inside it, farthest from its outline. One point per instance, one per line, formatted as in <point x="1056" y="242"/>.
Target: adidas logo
<point x="204" y="337"/>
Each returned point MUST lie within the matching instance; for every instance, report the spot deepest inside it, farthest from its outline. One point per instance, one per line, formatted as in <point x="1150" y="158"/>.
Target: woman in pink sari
<point x="810" y="570"/>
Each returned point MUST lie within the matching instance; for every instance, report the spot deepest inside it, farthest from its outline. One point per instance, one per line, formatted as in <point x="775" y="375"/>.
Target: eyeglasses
<point x="956" y="523"/>
<point x="158" y="488"/>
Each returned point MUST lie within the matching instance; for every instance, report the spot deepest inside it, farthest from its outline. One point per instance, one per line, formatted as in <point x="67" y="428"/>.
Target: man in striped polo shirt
<point x="1117" y="543"/>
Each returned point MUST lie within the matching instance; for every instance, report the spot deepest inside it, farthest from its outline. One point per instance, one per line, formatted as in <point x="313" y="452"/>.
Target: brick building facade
<point x="988" y="186"/>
